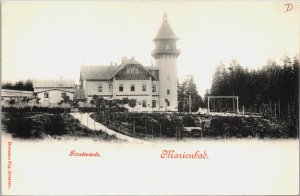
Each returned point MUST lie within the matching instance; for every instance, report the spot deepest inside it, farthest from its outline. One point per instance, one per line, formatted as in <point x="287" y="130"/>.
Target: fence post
<point x="134" y="128"/>
<point x="152" y="133"/>
<point x="160" y="129"/>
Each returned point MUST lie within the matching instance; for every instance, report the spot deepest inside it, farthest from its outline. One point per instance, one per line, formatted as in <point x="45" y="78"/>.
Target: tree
<point x="7" y="85"/>
<point x="28" y="86"/>
<point x="186" y="89"/>
<point x="132" y="103"/>
<point x="273" y="89"/>
<point x="19" y="85"/>
<point x="125" y="100"/>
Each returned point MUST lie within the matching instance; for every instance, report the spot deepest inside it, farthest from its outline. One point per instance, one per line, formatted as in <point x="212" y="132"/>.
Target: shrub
<point x="55" y="125"/>
<point x="21" y="126"/>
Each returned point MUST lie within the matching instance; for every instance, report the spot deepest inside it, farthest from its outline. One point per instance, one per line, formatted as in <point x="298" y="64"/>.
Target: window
<point x="46" y="95"/>
<point x="153" y="88"/>
<point x="167" y="46"/>
<point x="132" y="88"/>
<point x="144" y="103"/>
<point x="110" y="87"/>
<point x="168" y="102"/>
<point x="143" y="87"/>
<point x="154" y="103"/>
<point x="168" y="91"/>
<point x="132" y="70"/>
<point x="63" y="95"/>
<point x="100" y="88"/>
<point x="121" y="87"/>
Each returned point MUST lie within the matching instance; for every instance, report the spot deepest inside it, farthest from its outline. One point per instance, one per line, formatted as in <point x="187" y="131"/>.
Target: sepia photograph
<point x="150" y="97"/>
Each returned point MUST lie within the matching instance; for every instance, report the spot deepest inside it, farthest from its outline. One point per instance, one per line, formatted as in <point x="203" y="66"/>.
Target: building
<point x="17" y="95"/>
<point x="154" y="87"/>
<point x="53" y="91"/>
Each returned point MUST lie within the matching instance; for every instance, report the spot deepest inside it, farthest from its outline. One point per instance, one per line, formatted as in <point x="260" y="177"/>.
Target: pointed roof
<point x="165" y="30"/>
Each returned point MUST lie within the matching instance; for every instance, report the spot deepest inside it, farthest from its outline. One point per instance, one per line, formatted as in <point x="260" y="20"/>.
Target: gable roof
<point x="165" y="31"/>
<point x="131" y="61"/>
<point x="53" y="83"/>
<point x="54" y="89"/>
<point x="98" y="72"/>
<point x="108" y="72"/>
<point x="154" y="70"/>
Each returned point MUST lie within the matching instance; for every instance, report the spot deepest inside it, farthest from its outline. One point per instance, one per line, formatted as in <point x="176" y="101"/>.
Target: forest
<point x="272" y="90"/>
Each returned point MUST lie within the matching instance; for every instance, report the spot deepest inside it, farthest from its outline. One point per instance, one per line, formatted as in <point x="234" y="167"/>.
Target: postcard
<point x="150" y="97"/>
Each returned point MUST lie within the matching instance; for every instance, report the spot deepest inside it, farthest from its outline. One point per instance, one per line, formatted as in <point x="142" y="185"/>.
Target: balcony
<point x="165" y="51"/>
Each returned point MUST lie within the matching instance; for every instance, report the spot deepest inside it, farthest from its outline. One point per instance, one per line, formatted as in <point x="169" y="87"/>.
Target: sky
<point x="53" y="39"/>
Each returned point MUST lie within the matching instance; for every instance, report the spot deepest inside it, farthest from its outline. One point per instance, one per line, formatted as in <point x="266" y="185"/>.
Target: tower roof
<point x="165" y="30"/>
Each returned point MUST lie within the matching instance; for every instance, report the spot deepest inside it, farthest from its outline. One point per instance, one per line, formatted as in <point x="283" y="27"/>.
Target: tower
<point x="165" y="55"/>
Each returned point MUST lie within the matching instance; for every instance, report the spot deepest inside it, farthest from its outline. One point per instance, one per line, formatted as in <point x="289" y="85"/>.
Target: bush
<point x="20" y="126"/>
<point x="189" y="121"/>
<point x="55" y="125"/>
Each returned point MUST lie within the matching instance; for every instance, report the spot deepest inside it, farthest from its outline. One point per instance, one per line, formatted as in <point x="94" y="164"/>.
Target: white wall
<point x="54" y="96"/>
<point x="91" y="88"/>
<point x="168" y="80"/>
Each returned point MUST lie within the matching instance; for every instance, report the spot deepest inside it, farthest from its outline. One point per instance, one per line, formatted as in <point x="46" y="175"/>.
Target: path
<point x="87" y="121"/>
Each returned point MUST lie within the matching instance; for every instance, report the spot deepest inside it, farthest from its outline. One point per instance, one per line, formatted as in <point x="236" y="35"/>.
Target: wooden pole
<point x="278" y="108"/>
<point x="214" y="105"/>
<point x="237" y="107"/>
<point x="190" y="104"/>
<point x="201" y="134"/>
<point x="87" y="120"/>
<point x="160" y="129"/>
<point x="134" y="128"/>
<point x="152" y="133"/>
<point x="208" y="98"/>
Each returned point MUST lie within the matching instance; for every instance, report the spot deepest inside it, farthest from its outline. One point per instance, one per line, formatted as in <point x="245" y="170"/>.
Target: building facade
<point x="17" y="95"/>
<point x="53" y="91"/>
<point x="154" y="87"/>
